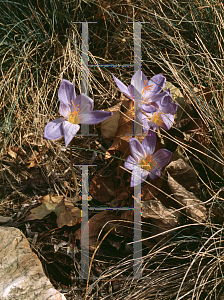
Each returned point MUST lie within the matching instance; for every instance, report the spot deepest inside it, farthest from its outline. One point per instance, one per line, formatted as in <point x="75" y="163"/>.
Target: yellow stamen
<point x="74" y="116"/>
<point x="148" y="163"/>
<point x="146" y="88"/>
<point x="157" y="119"/>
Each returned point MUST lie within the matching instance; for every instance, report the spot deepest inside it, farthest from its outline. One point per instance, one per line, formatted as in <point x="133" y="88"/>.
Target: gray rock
<point x="5" y="219"/>
<point x="21" y="273"/>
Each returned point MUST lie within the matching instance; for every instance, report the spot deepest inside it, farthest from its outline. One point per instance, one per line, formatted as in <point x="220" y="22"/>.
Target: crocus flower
<point x="158" y="114"/>
<point x="75" y="110"/>
<point x="143" y="161"/>
<point x="141" y="89"/>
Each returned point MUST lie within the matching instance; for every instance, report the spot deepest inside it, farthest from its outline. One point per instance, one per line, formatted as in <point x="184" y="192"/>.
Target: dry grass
<point x="184" y="41"/>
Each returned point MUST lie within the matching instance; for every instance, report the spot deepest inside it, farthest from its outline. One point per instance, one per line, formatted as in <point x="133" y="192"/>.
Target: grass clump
<point x="40" y="44"/>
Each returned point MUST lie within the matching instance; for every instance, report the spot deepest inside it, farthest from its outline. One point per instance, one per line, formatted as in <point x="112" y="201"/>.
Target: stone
<point x="22" y="276"/>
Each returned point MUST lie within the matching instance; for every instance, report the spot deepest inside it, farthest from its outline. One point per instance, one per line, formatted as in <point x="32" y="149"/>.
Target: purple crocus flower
<point x="158" y="114"/>
<point x="75" y="110"/>
<point x="143" y="161"/>
<point x="146" y="91"/>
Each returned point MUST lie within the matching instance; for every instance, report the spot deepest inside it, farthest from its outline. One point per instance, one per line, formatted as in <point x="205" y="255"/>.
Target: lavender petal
<point x="162" y="157"/>
<point x="149" y="142"/>
<point x="135" y="95"/>
<point x="69" y="131"/>
<point x="66" y="92"/>
<point x="168" y="120"/>
<point x="136" y="149"/>
<point x="84" y="103"/>
<point x="137" y="81"/>
<point x="123" y="88"/>
<point x="149" y="108"/>
<point x="146" y="121"/>
<point x="95" y="117"/>
<point x="154" y="173"/>
<point x="158" y="82"/>
<point x="53" y="130"/>
<point x="158" y="98"/>
<point x="171" y="108"/>
<point x="130" y="163"/>
<point x="64" y="110"/>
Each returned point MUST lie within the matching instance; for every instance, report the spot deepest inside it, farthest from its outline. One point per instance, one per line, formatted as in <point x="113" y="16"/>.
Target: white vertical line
<point x="137" y="235"/>
<point x="137" y="246"/>
<point x="85" y="69"/>
<point x="137" y="66"/>
<point x="85" y="224"/>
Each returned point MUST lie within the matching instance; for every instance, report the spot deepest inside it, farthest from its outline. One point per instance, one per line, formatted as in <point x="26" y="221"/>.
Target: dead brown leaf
<point x="194" y="207"/>
<point x="161" y="217"/>
<point x="125" y="130"/>
<point x="34" y="159"/>
<point x="102" y="189"/>
<point x="125" y="227"/>
<point x="67" y="213"/>
<point x="151" y="191"/>
<point x="164" y="218"/>
<point x="124" y="197"/>
<point x="95" y="225"/>
<point x="184" y="174"/>
<point x="109" y="126"/>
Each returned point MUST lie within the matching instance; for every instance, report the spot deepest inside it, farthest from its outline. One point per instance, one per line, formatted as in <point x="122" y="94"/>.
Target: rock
<point x="5" y="219"/>
<point x="22" y="276"/>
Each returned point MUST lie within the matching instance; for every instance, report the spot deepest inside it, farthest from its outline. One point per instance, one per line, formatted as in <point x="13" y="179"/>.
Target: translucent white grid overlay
<point x="137" y="245"/>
